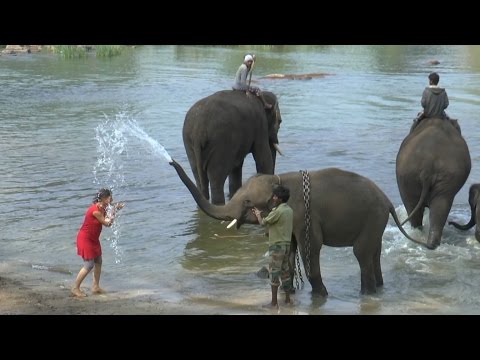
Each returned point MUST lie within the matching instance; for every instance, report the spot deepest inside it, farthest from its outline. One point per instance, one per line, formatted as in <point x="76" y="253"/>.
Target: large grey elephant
<point x="346" y="209"/>
<point x="221" y="130"/>
<point x="473" y="200"/>
<point x="432" y="165"/>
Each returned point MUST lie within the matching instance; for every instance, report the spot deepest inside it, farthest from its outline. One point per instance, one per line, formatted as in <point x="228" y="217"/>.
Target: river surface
<point x="60" y="142"/>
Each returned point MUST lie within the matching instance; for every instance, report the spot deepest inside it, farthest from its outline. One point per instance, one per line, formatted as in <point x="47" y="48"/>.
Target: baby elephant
<point x="473" y="199"/>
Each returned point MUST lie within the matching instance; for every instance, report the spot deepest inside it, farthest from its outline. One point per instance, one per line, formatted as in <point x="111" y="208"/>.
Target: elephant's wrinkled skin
<point x="432" y="165"/>
<point x="473" y="199"/>
<point x="346" y="209"/>
<point x="223" y="128"/>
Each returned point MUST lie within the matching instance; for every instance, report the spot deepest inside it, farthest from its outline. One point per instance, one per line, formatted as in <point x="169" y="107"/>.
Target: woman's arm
<point x="106" y="221"/>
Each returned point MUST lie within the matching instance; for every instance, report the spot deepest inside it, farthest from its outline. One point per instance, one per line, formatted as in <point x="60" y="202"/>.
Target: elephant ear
<point x="456" y="125"/>
<point x="248" y="204"/>
<point x="474" y="194"/>
<point x="270" y="97"/>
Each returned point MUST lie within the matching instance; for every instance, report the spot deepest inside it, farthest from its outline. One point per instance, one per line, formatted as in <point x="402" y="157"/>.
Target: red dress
<point x="88" y="238"/>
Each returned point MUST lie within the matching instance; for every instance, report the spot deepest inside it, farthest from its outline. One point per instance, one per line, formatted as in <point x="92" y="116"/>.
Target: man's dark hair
<point x="434" y="78"/>
<point x="282" y="193"/>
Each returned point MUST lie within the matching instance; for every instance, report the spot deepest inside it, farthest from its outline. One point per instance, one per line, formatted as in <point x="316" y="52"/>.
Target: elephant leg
<point x="377" y="268"/>
<point x="365" y="250"/>
<point x="217" y="183"/>
<point x="235" y="180"/>
<point x="315" y="277"/>
<point x="367" y="273"/>
<point x="204" y="189"/>
<point x="218" y="196"/>
<point x="439" y="208"/>
<point x="200" y="176"/>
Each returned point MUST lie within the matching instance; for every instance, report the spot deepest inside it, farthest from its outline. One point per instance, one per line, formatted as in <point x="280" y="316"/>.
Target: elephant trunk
<point x="215" y="211"/>
<point x="470" y="224"/>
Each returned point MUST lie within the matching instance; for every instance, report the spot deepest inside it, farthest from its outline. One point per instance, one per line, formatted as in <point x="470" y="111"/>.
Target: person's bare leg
<point x="82" y="274"/>
<point x="97" y="271"/>
<point x="274" y="303"/>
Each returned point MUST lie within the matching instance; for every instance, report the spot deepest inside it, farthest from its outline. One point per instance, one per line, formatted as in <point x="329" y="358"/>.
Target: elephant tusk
<point x="277" y="148"/>
<point x="234" y="221"/>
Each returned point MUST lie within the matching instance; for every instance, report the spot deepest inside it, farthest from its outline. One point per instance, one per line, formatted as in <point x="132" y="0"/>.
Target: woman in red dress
<point x="88" y="240"/>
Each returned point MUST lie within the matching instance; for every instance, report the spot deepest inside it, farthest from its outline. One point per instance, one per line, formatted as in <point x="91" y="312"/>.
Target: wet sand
<point x="27" y="289"/>
<point x="20" y="295"/>
<point x="37" y="294"/>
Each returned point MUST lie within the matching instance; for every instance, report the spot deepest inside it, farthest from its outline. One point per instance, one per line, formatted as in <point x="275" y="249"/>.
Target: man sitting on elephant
<point x="434" y="101"/>
<point x="280" y="227"/>
<point x="241" y="80"/>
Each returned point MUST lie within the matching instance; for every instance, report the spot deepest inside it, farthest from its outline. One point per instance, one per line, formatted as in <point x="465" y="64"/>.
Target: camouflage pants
<point x="279" y="266"/>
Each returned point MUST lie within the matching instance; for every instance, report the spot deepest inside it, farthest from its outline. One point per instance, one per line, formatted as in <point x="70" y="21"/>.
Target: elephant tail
<point x="421" y="201"/>
<point x="397" y="221"/>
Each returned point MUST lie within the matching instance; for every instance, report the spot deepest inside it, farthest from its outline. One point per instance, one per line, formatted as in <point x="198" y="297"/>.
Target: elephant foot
<point x="270" y="306"/>
<point x="370" y="291"/>
<point x="433" y="242"/>
<point x="322" y="291"/>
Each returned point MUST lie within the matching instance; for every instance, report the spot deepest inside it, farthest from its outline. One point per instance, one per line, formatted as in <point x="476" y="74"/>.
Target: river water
<point x="61" y="140"/>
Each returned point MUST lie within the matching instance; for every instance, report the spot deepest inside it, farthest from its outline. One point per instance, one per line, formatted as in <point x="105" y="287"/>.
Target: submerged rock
<point x="308" y="76"/>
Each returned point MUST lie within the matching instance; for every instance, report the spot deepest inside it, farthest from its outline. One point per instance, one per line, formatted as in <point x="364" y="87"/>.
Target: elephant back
<point x="436" y="136"/>
<point x="349" y="193"/>
<point x="435" y="146"/>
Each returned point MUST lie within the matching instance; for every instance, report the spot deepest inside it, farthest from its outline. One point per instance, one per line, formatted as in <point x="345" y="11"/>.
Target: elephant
<point x="473" y="199"/>
<point x="220" y="130"/>
<point x="432" y="165"/>
<point x="346" y="209"/>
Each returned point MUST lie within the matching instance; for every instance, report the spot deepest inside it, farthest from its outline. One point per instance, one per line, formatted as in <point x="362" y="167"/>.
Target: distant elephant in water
<point x="432" y="165"/>
<point x="346" y="209"/>
<point x="221" y="130"/>
<point x="473" y="199"/>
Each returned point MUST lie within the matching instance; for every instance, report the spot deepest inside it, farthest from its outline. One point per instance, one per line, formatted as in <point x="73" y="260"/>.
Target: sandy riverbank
<point x="20" y="295"/>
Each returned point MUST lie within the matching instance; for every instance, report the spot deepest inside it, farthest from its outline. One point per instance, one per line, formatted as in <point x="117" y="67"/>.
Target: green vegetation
<point x="81" y="51"/>
<point x="70" y="51"/>
<point x="108" y="50"/>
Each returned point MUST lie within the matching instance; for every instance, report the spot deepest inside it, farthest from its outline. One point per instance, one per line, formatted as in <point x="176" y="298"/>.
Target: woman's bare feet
<point x="98" y="290"/>
<point x="270" y="306"/>
<point x="78" y="293"/>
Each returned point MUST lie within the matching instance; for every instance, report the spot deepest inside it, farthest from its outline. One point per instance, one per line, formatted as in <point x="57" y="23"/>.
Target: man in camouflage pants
<point x="280" y="225"/>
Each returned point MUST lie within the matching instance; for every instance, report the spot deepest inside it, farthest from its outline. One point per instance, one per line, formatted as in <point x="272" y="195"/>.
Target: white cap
<point x="248" y="57"/>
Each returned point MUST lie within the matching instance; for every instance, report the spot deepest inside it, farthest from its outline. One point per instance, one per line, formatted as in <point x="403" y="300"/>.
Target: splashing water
<point x="112" y="136"/>
<point x="131" y="126"/>
<point x="108" y="171"/>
